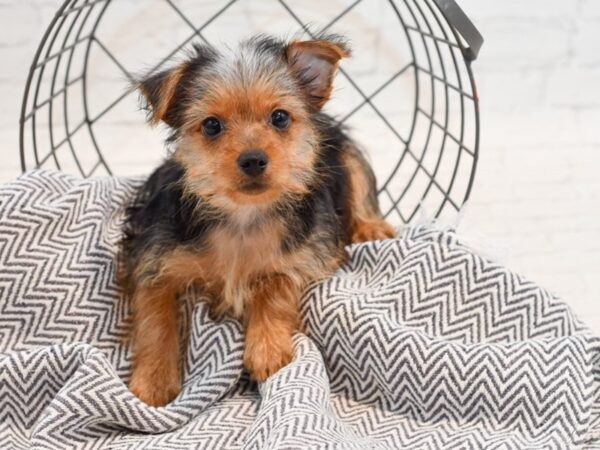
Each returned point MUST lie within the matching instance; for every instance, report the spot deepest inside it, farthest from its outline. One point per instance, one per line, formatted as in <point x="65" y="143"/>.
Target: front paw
<point x="263" y="359"/>
<point x="154" y="389"/>
<point x="372" y="230"/>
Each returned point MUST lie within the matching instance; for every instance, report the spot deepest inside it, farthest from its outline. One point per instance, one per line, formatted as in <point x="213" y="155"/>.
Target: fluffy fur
<point x="252" y="243"/>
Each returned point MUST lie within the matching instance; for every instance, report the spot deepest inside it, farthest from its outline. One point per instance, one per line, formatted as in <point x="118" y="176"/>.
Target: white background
<point x="536" y="199"/>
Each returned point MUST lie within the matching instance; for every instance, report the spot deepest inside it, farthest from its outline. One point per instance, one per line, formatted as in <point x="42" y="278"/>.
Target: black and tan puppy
<point x="258" y="200"/>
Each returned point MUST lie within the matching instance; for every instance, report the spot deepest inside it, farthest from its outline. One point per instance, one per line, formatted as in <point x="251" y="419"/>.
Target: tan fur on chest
<point x="233" y="260"/>
<point x="239" y="257"/>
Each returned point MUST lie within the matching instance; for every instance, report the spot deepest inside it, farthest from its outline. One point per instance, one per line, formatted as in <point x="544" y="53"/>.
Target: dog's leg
<point x="155" y="379"/>
<point x="366" y="223"/>
<point x="271" y="319"/>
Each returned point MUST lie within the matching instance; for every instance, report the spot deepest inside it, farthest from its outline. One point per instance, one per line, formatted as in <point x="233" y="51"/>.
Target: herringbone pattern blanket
<point x="417" y="342"/>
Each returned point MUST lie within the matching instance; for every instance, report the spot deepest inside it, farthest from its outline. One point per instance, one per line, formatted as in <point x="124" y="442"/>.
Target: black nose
<point x="253" y="162"/>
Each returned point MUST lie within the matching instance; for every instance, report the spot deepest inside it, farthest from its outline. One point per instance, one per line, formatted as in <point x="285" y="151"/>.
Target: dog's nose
<point x="253" y="162"/>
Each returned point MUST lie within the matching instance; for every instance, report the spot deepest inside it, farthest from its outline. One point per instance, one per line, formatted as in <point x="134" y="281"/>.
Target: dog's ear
<point x="314" y="64"/>
<point x="166" y="92"/>
<point x="160" y="92"/>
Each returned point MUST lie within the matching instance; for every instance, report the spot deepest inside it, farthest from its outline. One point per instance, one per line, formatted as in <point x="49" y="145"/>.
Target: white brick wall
<point x="21" y="26"/>
<point x="536" y="200"/>
<point x="537" y="191"/>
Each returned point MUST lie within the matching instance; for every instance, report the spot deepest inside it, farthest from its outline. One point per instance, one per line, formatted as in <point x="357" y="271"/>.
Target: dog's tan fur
<point x="253" y="253"/>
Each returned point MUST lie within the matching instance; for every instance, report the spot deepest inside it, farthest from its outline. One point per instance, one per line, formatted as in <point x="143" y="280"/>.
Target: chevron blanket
<point x="415" y="343"/>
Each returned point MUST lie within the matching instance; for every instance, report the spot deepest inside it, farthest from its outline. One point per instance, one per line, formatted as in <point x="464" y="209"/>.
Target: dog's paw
<point x="154" y="390"/>
<point x="262" y="359"/>
<point x="372" y="230"/>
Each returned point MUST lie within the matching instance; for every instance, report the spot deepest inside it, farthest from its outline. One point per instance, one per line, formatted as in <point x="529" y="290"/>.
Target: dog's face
<point x="244" y="122"/>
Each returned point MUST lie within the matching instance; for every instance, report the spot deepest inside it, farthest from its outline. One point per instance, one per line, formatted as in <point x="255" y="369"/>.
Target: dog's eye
<point x="280" y="119"/>
<point x="212" y="127"/>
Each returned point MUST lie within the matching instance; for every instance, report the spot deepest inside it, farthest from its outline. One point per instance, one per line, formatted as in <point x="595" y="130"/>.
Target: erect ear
<point x="314" y="64"/>
<point x="166" y="92"/>
<point x="160" y="91"/>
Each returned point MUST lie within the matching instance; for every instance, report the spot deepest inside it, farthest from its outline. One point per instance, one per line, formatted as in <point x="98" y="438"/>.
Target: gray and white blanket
<point x="416" y="342"/>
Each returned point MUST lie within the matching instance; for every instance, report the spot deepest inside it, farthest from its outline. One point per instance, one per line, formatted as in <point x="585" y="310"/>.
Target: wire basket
<point x="408" y="94"/>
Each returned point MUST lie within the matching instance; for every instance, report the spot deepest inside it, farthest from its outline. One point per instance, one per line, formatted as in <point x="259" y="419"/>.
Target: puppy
<point x="258" y="199"/>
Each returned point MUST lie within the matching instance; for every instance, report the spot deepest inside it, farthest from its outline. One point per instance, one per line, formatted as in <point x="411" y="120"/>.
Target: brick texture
<point x="537" y="192"/>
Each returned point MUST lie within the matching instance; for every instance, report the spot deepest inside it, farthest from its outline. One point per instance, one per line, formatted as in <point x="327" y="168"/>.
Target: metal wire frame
<point x="450" y="31"/>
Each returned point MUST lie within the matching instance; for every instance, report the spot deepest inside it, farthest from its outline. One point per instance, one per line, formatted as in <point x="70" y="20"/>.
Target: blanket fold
<point x="416" y="342"/>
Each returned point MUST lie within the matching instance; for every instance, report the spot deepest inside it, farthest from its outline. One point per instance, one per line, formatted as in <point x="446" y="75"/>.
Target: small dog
<point x="258" y="199"/>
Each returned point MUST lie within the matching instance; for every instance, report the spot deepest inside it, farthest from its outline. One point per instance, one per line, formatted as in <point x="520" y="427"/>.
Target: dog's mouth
<point x="254" y="187"/>
<point x="254" y="192"/>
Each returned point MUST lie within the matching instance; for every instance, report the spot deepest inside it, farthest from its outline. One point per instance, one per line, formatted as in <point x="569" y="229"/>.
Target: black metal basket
<point x="408" y="95"/>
